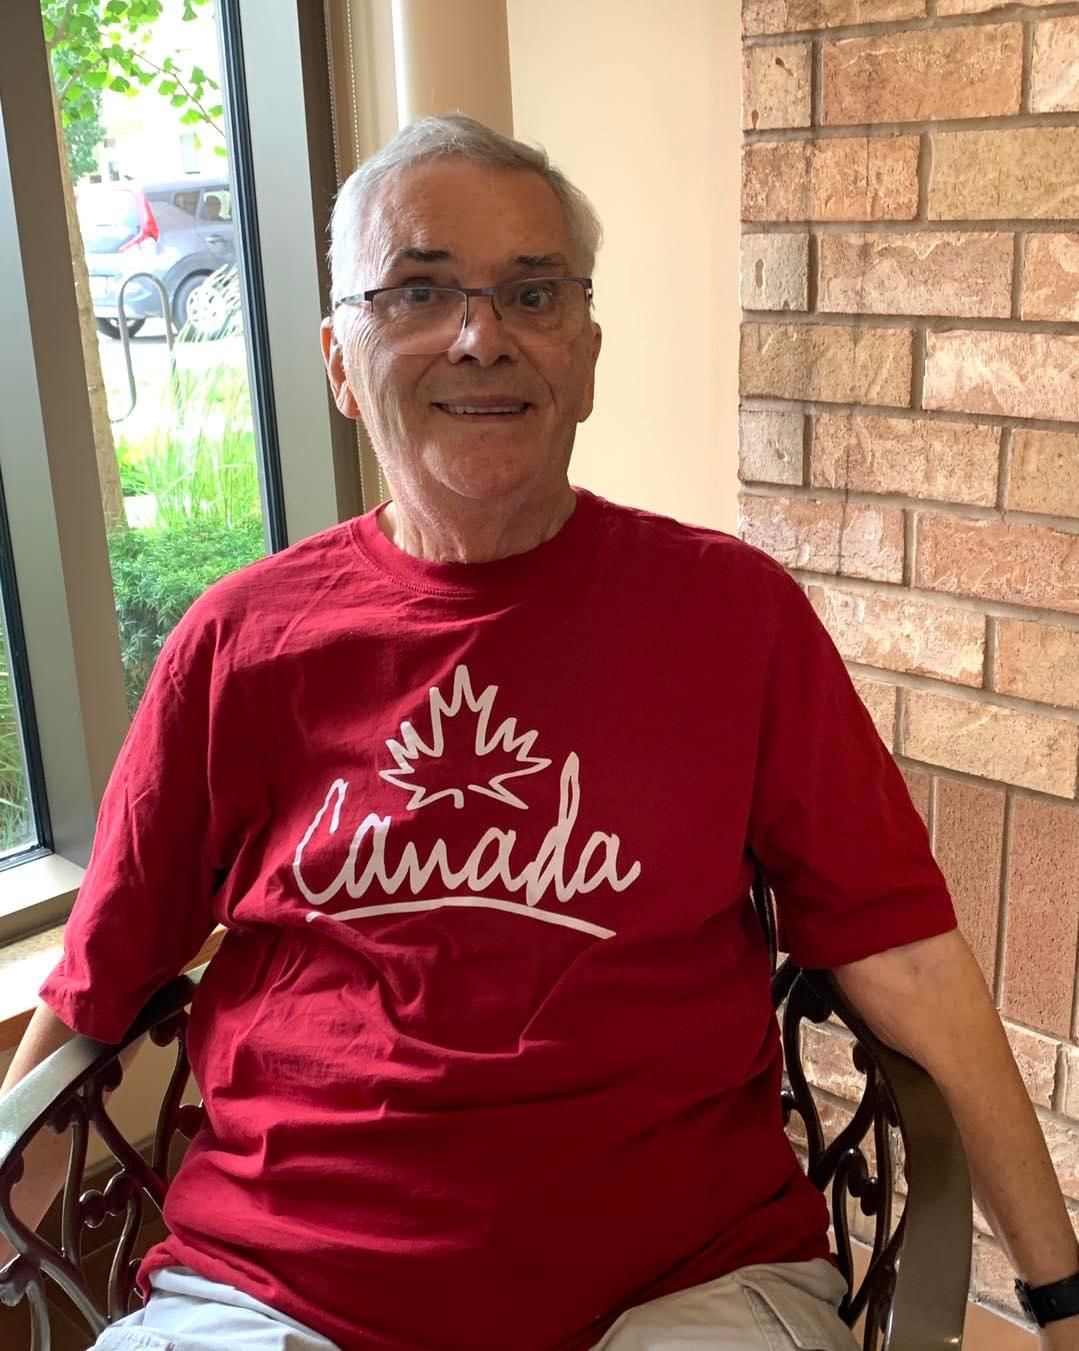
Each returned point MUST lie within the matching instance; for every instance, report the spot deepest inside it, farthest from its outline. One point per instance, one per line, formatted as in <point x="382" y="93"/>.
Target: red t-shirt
<point x="487" y="1051"/>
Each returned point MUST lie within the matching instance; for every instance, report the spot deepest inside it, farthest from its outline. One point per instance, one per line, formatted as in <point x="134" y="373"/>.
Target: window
<point x="216" y="204"/>
<point x="85" y="519"/>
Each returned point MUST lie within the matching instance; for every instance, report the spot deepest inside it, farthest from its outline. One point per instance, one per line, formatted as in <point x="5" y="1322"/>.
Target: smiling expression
<point x="496" y="415"/>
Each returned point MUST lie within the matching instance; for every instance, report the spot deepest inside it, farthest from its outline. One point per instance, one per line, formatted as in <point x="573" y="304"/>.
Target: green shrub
<point x="158" y="573"/>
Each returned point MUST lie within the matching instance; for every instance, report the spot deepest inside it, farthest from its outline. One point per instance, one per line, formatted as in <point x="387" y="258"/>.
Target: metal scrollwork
<point x="69" y="1093"/>
<point x="841" y="1168"/>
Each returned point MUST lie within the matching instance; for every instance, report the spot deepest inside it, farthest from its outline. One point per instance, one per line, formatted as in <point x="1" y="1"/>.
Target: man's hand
<point x="928" y="1000"/>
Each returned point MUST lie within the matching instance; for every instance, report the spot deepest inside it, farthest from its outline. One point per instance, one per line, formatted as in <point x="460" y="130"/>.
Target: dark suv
<point x="181" y="232"/>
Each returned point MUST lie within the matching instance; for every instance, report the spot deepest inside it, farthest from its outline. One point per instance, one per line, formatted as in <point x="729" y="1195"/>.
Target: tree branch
<point x="182" y="86"/>
<point x="60" y="33"/>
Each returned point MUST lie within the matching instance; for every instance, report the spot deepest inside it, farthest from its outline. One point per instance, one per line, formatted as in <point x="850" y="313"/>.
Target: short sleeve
<point x="831" y="820"/>
<point x="144" y="907"/>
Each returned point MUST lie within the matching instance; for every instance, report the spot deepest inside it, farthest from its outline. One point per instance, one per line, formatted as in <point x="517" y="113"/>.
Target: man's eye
<point x="417" y="296"/>
<point x="535" y="297"/>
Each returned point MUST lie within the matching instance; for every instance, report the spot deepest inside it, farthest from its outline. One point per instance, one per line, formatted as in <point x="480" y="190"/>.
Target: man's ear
<point x="588" y="397"/>
<point x="332" y="355"/>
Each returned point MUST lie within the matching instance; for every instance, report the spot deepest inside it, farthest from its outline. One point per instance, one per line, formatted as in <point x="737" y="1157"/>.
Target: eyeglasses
<point x="420" y="320"/>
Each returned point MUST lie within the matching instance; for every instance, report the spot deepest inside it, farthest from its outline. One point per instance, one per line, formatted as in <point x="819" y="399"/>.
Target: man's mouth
<point x="509" y="408"/>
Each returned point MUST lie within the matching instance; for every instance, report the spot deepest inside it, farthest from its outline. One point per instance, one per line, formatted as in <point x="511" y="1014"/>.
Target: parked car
<point x="181" y="232"/>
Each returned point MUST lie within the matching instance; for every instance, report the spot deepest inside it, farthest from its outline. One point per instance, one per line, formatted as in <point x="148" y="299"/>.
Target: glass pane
<point x="141" y="104"/>
<point x="17" y="831"/>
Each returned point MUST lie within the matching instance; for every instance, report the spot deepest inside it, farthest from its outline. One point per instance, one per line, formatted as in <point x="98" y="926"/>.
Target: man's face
<point x="477" y="226"/>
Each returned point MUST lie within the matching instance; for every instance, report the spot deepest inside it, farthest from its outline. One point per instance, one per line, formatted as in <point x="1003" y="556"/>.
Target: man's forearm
<point x="928" y="1000"/>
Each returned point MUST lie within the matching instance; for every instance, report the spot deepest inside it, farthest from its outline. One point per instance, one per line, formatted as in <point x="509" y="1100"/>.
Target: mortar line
<point x="1061" y="525"/>
<point x="1019" y="259"/>
<point x="764" y="403"/>
<point x="1004" y="470"/>
<point x="913" y="226"/>
<point x="909" y="518"/>
<point x="934" y="323"/>
<point x="976" y="781"/>
<point x="1032" y="614"/>
<point x="974" y="694"/>
<point x="1002" y="898"/>
<point x="914" y="127"/>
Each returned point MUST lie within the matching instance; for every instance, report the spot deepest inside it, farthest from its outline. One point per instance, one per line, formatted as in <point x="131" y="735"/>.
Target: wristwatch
<point x="1044" y="1304"/>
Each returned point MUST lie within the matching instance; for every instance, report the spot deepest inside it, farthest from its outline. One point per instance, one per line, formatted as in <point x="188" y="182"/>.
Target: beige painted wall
<point x="634" y="99"/>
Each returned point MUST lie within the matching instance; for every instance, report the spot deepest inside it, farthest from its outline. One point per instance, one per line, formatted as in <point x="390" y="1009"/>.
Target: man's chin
<point x="494" y="476"/>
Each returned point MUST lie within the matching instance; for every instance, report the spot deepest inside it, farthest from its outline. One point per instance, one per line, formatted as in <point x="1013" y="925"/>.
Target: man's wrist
<point x="1050" y="1303"/>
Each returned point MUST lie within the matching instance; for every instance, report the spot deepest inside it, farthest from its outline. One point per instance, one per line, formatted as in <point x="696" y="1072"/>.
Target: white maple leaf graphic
<point x="408" y="751"/>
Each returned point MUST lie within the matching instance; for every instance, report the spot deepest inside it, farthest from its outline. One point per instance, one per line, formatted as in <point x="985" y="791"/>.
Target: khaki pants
<point x="764" y="1308"/>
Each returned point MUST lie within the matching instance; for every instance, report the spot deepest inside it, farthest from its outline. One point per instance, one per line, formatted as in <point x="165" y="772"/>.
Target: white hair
<point x="431" y="138"/>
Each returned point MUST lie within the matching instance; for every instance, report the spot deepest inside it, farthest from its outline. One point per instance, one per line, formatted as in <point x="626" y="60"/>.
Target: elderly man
<point x="476" y="785"/>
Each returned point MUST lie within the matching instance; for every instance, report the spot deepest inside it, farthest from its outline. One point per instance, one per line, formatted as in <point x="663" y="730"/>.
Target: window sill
<point x="24" y="965"/>
<point x="35" y="895"/>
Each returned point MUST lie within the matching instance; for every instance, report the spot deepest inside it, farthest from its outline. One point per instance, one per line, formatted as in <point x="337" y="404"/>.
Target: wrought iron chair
<point x="913" y="1294"/>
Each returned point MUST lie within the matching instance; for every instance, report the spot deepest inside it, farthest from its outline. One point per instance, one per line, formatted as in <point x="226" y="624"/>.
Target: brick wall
<point x="910" y="447"/>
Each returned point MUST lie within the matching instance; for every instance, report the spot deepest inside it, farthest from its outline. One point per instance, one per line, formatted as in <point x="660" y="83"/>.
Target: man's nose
<point x="483" y="337"/>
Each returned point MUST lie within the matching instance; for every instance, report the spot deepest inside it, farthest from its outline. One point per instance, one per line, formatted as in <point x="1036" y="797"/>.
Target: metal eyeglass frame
<point x="466" y="291"/>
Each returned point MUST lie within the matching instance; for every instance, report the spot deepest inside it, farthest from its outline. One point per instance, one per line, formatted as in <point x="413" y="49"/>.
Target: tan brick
<point x="775" y="272"/>
<point x="993" y="1279"/>
<point x="1038" y="661"/>
<point x="776" y="87"/>
<point x="770" y="447"/>
<point x="787" y="16"/>
<point x="923" y="75"/>
<point x="832" y="537"/>
<point x="948" y="273"/>
<point x="949" y="7"/>
<point x="896" y="634"/>
<point x="1070" y="1069"/>
<point x="1051" y="277"/>
<point x="919" y="785"/>
<point x="1043" y="915"/>
<point x="1032" y="375"/>
<point x="915" y="457"/>
<point x="1044" y="474"/>
<point x="1062" y="1137"/>
<point x="832" y="363"/>
<point x="842" y="178"/>
<point x="879" y="698"/>
<point x="991" y="742"/>
<point x="1027" y="173"/>
<point x="1036" y="1057"/>
<point x="1021" y="564"/>
<point x="826" y="1056"/>
<point x="969" y="838"/>
<point x="833" y="1118"/>
<point x="1054" y="76"/>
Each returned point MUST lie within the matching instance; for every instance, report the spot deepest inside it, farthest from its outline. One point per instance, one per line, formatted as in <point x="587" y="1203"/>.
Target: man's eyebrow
<point x="413" y="255"/>
<point x="542" y="260"/>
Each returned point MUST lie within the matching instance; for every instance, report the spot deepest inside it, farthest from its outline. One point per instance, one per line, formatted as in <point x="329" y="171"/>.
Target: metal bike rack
<point x="125" y="337"/>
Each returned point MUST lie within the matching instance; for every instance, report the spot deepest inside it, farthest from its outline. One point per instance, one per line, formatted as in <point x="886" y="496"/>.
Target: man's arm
<point x="929" y="1001"/>
<point x="45" y="1158"/>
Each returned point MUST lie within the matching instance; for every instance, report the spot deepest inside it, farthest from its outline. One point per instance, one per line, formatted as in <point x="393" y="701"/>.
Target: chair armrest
<point x="69" y="1089"/>
<point x="928" y="1305"/>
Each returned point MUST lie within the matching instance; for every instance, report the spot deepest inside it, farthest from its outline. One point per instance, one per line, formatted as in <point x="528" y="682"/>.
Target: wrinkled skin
<point x="465" y="488"/>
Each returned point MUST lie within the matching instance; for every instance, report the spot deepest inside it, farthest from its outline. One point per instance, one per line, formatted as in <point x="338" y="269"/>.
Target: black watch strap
<point x="1045" y="1304"/>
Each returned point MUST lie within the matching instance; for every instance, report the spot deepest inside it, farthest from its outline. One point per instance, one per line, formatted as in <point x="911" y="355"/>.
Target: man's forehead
<point x="453" y="211"/>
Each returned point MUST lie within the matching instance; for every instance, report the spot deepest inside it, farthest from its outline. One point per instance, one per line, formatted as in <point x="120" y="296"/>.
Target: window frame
<point x="281" y="133"/>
